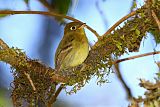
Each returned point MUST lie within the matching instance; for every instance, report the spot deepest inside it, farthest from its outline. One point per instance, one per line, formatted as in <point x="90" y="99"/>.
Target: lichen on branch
<point x="33" y="79"/>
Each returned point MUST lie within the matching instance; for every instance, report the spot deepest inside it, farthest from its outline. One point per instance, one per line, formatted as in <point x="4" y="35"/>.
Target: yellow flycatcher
<point x="73" y="48"/>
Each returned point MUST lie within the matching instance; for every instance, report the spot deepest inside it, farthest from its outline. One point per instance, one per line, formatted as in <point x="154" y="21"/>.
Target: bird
<point x="73" y="49"/>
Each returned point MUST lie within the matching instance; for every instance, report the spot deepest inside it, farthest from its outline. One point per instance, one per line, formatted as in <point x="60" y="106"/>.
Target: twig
<point x="93" y="31"/>
<point x="59" y="90"/>
<point x="38" y="12"/>
<point x="3" y="44"/>
<point x="128" y="91"/>
<point x="45" y="3"/>
<point x="137" y="56"/>
<point x="148" y="85"/>
<point x="30" y="80"/>
<point x="53" y="98"/>
<point x="156" y="19"/>
<point x="48" y="14"/>
<point x="119" y="22"/>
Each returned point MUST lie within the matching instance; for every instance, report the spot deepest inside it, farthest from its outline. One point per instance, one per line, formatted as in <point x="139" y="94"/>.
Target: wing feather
<point x="63" y="49"/>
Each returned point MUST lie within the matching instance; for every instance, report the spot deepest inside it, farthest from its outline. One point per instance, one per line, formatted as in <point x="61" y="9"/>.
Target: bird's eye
<point x="73" y="28"/>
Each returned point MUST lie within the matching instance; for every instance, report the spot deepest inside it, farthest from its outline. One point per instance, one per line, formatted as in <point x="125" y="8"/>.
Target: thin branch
<point x="119" y="75"/>
<point x="137" y="56"/>
<point x="49" y="14"/>
<point x="59" y="90"/>
<point x="38" y="12"/>
<point x="93" y="31"/>
<point x="119" y="22"/>
<point x="46" y="4"/>
<point x="30" y="80"/>
<point x="53" y="98"/>
<point x="156" y="19"/>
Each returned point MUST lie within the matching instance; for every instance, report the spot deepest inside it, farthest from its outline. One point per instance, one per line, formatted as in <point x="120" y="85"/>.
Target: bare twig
<point x="53" y="98"/>
<point x="128" y="91"/>
<point x="93" y="31"/>
<point x="156" y="19"/>
<point x="30" y="80"/>
<point x="119" y="22"/>
<point x="137" y="56"/>
<point x="48" y="14"/>
<point x="38" y="12"/>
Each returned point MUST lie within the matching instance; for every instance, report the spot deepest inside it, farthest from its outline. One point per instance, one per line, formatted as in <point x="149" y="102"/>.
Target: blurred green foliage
<point x="4" y="100"/>
<point x="61" y="6"/>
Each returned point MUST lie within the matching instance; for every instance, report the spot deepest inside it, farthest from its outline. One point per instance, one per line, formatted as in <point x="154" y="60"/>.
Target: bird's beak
<point x="82" y="26"/>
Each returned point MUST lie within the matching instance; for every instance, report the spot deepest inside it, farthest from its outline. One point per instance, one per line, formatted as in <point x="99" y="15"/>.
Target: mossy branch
<point x="99" y="61"/>
<point x="156" y="19"/>
<point x="19" y="60"/>
<point x="152" y="95"/>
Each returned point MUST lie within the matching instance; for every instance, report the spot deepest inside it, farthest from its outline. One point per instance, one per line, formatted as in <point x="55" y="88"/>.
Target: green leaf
<point x="142" y="15"/>
<point x="137" y="32"/>
<point x="26" y="1"/>
<point x="134" y="28"/>
<point x="134" y="5"/>
<point x="119" y="47"/>
<point x="118" y="44"/>
<point x="61" y="6"/>
<point x="122" y="37"/>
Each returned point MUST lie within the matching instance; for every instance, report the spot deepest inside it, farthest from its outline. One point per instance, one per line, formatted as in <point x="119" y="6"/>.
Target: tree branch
<point x="156" y="19"/>
<point x="25" y="64"/>
<point x="137" y="56"/>
<point x="3" y="45"/>
<point x="119" y="22"/>
<point x="53" y="98"/>
<point x="30" y="80"/>
<point x="120" y="77"/>
<point x="48" y="14"/>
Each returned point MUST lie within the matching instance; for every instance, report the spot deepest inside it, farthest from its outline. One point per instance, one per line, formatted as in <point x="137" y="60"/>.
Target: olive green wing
<point x="63" y="49"/>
